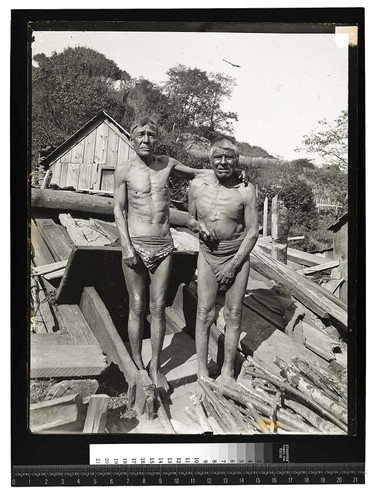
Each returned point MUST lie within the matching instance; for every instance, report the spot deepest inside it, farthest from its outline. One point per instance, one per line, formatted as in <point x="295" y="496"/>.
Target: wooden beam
<point x="321" y="267"/>
<point x="92" y="204"/>
<point x="315" y="297"/>
<point x="55" y="413"/>
<point x="55" y="238"/>
<point x="40" y="251"/>
<point x="96" y="417"/>
<point x="100" y="322"/>
<point x="50" y="358"/>
<point x="297" y="256"/>
<point x="75" y="233"/>
<point x="49" y="268"/>
<point x="47" y="180"/>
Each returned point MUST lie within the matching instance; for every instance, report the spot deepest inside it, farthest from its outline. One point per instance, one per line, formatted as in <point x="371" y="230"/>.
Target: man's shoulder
<point x="247" y="190"/>
<point x="125" y="167"/>
<point x="203" y="179"/>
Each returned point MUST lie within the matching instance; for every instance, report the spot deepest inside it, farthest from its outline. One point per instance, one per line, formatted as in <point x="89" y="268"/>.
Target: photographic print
<point x="189" y="217"/>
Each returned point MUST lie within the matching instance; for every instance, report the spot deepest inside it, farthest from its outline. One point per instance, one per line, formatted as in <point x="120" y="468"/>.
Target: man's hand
<point x="130" y="257"/>
<point x="208" y="234"/>
<point x="226" y="275"/>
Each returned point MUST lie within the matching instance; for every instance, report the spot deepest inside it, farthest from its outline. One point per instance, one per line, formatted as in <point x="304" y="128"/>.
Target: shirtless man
<point x="141" y="210"/>
<point x="223" y="211"/>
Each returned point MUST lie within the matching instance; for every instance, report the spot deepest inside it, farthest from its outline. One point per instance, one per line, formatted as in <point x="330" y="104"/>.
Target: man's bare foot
<point x="227" y="379"/>
<point x="160" y="381"/>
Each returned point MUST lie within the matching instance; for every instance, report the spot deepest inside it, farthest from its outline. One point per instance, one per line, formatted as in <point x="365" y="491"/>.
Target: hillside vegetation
<point x="70" y="87"/>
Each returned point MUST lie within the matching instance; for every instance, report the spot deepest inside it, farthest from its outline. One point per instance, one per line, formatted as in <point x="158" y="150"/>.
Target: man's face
<point x="144" y="140"/>
<point x="224" y="161"/>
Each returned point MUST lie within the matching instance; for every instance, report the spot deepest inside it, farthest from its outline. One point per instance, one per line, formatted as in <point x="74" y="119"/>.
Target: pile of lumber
<point x="304" y="398"/>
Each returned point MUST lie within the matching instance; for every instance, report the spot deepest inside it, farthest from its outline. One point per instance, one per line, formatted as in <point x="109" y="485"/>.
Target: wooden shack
<point x="87" y="159"/>
<point x="340" y="252"/>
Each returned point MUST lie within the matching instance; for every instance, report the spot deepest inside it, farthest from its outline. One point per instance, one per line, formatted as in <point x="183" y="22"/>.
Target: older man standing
<point x="223" y="211"/>
<point x="141" y="210"/>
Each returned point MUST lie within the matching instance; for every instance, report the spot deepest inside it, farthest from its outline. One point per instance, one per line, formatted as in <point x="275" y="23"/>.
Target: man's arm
<point x="119" y="210"/>
<point x="185" y="172"/>
<point x="228" y="271"/>
<point x="194" y="224"/>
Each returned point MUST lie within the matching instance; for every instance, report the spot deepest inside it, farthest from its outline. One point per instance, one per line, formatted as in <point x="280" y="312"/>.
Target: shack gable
<point x="90" y="157"/>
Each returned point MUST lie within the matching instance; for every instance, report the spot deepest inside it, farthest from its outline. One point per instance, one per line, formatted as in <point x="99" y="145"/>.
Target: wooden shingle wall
<point x="90" y="163"/>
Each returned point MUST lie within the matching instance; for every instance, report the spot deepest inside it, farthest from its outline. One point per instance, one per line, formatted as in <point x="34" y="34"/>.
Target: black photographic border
<point x="32" y="449"/>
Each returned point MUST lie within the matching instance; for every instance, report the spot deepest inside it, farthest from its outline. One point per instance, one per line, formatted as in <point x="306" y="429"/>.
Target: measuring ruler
<point x="188" y="464"/>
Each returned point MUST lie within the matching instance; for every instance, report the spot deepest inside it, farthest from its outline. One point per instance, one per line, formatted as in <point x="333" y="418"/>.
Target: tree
<point x="196" y="98"/>
<point x="69" y="88"/>
<point x="329" y="141"/>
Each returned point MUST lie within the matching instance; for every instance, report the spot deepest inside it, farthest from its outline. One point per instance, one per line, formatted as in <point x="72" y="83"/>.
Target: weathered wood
<point x="42" y="306"/>
<point x="163" y="417"/>
<point x="226" y="417"/>
<point x="47" y="180"/>
<point x="294" y="255"/>
<point x="40" y="251"/>
<point x="94" y="237"/>
<point x="75" y="233"/>
<point x="313" y="296"/>
<point x="307" y="388"/>
<point x="55" y="238"/>
<point x="110" y="231"/>
<point x="96" y="417"/>
<point x="232" y="410"/>
<point x="317" y="421"/>
<point x="202" y="419"/>
<point x="265" y="217"/>
<point x="48" y="268"/>
<point x="47" y="415"/>
<point x="295" y="392"/>
<point x="184" y="241"/>
<point x="100" y="322"/>
<point x="245" y="399"/>
<point x="213" y="418"/>
<point x="55" y="275"/>
<point x="91" y="204"/>
<point x="321" y="267"/>
<point x="76" y="325"/>
<point x="52" y="359"/>
<point x="333" y="285"/>
<point x="85" y="388"/>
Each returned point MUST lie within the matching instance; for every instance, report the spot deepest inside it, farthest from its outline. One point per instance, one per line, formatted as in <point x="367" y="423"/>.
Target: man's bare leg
<point x="135" y="280"/>
<point x="158" y="294"/>
<point x="207" y="290"/>
<point x="232" y="316"/>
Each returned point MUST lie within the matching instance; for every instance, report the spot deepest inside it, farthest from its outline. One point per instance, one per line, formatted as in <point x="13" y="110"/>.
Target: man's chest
<point x="219" y="199"/>
<point x="146" y="180"/>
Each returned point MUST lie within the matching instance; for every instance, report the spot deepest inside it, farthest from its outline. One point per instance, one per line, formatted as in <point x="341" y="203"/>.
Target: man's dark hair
<point x="142" y="121"/>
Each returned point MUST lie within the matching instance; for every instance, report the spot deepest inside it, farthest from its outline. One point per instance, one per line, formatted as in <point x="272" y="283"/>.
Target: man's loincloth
<point x="217" y="255"/>
<point x="152" y="249"/>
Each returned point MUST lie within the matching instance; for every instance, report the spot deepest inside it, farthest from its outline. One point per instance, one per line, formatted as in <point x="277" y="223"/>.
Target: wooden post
<point x="96" y="417"/>
<point x="265" y="217"/>
<point x="47" y="180"/>
<point x="279" y="230"/>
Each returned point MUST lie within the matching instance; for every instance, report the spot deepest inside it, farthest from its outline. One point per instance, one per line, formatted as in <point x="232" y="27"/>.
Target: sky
<point x="285" y="83"/>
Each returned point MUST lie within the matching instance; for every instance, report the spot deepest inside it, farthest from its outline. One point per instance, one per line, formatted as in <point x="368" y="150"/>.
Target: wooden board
<point x="49" y="415"/>
<point x="76" y="325"/>
<point x="279" y="344"/>
<point x="40" y="251"/>
<point x="77" y="152"/>
<point x="100" y="155"/>
<point x="55" y="238"/>
<point x="96" y="414"/>
<point x="112" y="150"/>
<point x="101" y="324"/>
<point x="100" y="321"/>
<point x="89" y="150"/>
<point x="49" y="358"/>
